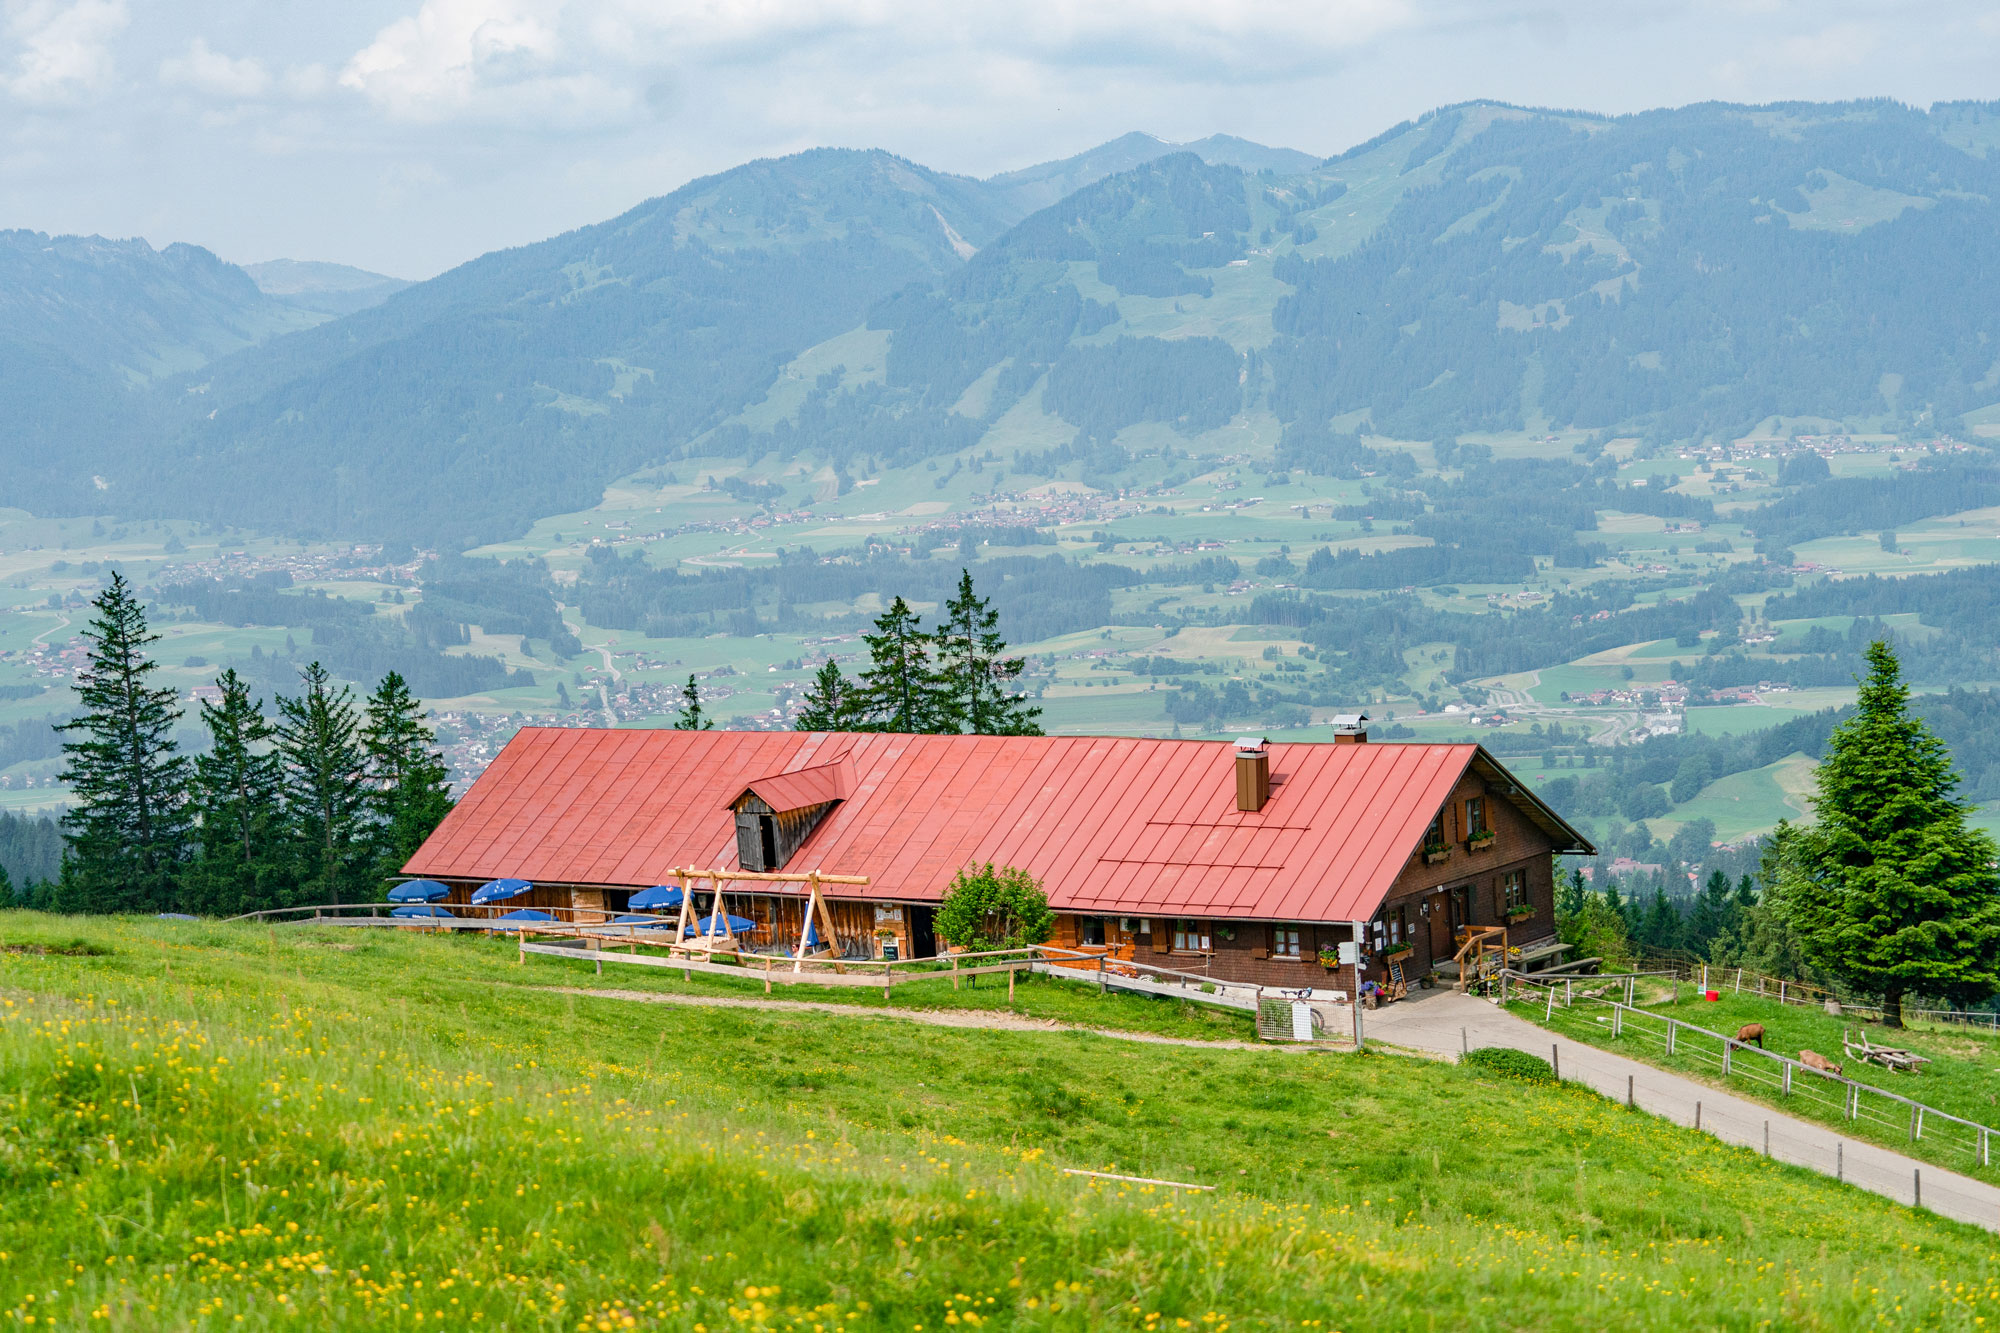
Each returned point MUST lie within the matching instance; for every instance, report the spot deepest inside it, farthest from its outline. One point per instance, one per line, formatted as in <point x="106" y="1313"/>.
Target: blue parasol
<point x="520" y="915"/>
<point x="420" y="909"/>
<point x="419" y="891"/>
<point x="499" y="890"/>
<point x="660" y="895"/>
<point x="738" y="925"/>
<point x="644" y="922"/>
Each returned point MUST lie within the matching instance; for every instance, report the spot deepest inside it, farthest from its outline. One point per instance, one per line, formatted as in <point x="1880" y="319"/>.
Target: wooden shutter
<point x="1263" y="949"/>
<point x="1499" y="897"/>
<point x="1163" y="935"/>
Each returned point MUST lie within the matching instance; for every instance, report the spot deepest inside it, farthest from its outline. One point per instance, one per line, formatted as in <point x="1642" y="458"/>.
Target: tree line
<point x="953" y="679"/>
<point x="320" y="805"/>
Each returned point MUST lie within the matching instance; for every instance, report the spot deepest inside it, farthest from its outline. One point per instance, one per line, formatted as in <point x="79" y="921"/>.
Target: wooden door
<point x="1442" y="945"/>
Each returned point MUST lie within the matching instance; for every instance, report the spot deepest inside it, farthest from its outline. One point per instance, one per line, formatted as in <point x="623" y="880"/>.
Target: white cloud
<point x="62" y="51"/>
<point x="523" y="60"/>
<point x="215" y="74"/>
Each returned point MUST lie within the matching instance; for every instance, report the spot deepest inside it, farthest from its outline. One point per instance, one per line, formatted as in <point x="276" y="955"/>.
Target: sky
<point x="405" y="136"/>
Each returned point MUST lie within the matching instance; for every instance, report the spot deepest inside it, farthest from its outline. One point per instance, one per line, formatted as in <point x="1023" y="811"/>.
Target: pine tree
<point x="1708" y="915"/>
<point x="831" y="704"/>
<point x="900" y="687"/>
<point x="1889" y="890"/>
<point x="973" y="668"/>
<point x="238" y="796"/>
<point x="691" y="717"/>
<point x="1662" y="928"/>
<point x="409" y="784"/>
<point x="326" y="787"/>
<point x="127" y="835"/>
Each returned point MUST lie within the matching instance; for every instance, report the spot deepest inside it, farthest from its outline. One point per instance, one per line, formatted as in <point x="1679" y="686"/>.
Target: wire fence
<point x="1748" y="981"/>
<point x="1833" y="1095"/>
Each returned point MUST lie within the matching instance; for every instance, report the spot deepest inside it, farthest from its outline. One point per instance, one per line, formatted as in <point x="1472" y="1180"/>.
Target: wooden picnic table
<point x="1895" y="1058"/>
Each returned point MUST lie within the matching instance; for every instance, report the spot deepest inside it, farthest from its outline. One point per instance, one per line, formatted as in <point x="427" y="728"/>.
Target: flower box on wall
<point x="1479" y="842"/>
<point x="1434" y="855"/>
<point x="1519" y="914"/>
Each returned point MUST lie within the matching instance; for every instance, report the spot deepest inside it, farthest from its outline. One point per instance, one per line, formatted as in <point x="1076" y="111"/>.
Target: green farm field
<point x="213" y="1127"/>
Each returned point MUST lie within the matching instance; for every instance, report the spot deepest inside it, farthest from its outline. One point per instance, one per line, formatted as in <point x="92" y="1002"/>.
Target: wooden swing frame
<point x="709" y="944"/>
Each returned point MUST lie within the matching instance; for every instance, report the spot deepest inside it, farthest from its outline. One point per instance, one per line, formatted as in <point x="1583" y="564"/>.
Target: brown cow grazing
<point x="1814" y="1060"/>
<point x="1750" y="1032"/>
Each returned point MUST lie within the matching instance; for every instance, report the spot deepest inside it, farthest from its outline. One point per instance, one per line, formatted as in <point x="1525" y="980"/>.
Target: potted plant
<point x="1436" y="850"/>
<point x="1329" y="956"/>
<point x="1479" y="841"/>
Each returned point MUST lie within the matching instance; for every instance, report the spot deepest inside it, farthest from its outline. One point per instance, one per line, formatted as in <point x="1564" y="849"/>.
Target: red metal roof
<point x="802" y="787"/>
<point x="1112" y="825"/>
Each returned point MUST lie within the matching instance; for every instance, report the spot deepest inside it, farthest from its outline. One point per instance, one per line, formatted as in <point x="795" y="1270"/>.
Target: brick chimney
<point x="1253" y="773"/>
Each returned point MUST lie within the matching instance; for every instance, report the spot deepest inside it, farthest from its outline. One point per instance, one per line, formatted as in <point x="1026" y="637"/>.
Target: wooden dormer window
<point x="766" y="838"/>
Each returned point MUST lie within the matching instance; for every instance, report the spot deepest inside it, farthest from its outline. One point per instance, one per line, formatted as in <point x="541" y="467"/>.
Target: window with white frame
<point x="1285" y="941"/>
<point x="1514" y="890"/>
<point x="1190" y="937"/>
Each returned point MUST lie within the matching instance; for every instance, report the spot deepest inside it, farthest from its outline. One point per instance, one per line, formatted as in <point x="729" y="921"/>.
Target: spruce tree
<point x="1889" y="890"/>
<point x="973" y="669"/>
<point x="691" y="717"/>
<point x="326" y="787"/>
<point x="1662" y="928"/>
<point x="899" y="690"/>
<point x="238" y="797"/>
<point x="409" y="784"/>
<point x="831" y="704"/>
<point x="127" y="835"/>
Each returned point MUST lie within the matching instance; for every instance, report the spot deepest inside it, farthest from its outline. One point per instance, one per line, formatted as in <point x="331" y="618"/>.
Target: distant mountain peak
<point x="1032" y="189"/>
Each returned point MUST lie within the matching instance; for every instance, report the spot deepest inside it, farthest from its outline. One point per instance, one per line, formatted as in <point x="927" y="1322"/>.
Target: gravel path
<point x="942" y="1018"/>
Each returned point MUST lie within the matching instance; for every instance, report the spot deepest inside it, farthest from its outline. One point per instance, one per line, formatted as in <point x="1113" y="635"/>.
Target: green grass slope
<point x="1963" y="1078"/>
<point x="213" y="1127"/>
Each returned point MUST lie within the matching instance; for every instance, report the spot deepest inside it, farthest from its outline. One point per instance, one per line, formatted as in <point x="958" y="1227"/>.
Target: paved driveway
<point x="1446" y="1021"/>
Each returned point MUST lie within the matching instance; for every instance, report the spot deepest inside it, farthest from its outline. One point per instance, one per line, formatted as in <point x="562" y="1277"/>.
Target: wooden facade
<point x="1505" y="879"/>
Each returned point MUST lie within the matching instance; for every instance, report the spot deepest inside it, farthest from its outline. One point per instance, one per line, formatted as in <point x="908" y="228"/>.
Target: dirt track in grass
<point x="943" y="1018"/>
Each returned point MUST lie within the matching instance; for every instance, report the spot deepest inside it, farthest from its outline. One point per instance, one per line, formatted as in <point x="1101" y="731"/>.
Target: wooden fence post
<point x="1671" y="1025"/>
<point x="954" y="972"/>
<point x="1839" y="1161"/>
<point x="1010" y="983"/>
<point x="1100" y="974"/>
<point x="1728" y="1045"/>
<point x="1916" y="1123"/>
<point x="1618" y="1020"/>
<point x="1697" y="1115"/>
<point x="1788" y="1078"/>
<point x="1628" y="1091"/>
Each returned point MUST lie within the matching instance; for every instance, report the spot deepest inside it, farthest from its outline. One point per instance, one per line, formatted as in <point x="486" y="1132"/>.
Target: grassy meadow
<point x="1962" y="1079"/>
<point x="221" y="1127"/>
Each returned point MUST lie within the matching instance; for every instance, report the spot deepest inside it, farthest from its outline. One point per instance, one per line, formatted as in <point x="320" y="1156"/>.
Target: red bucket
<point x="1711" y="995"/>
